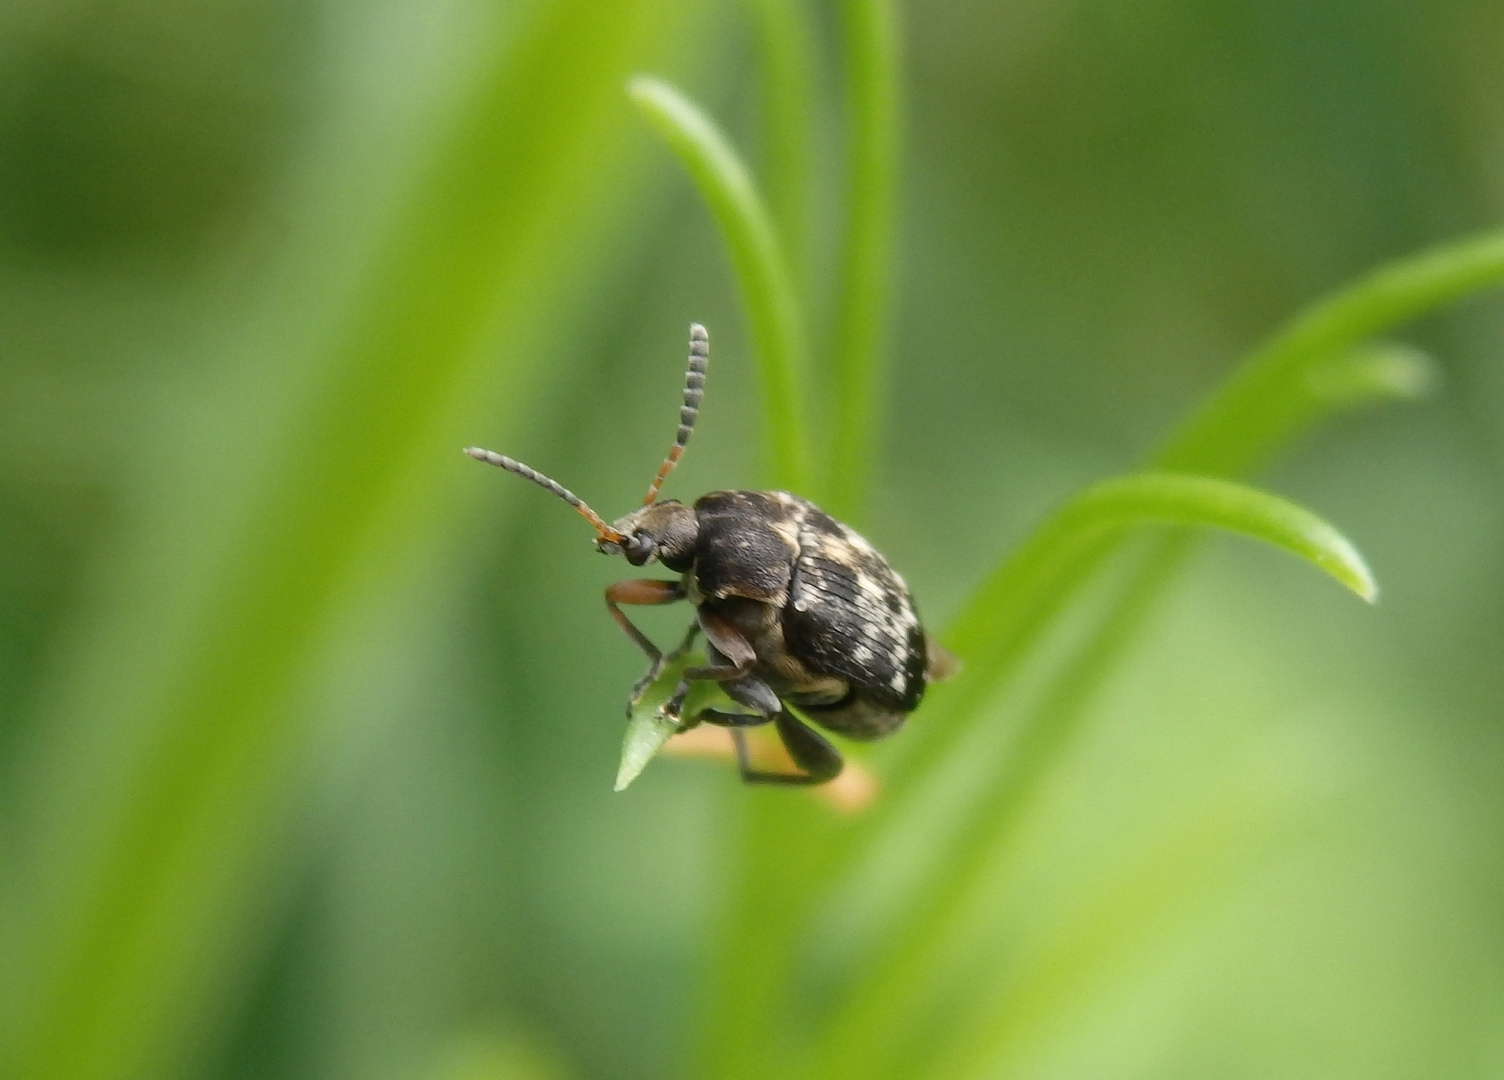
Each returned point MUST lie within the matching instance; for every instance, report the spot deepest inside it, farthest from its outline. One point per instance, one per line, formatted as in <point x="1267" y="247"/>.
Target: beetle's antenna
<point x="511" y="465"/>
<point x="694" y="389"/>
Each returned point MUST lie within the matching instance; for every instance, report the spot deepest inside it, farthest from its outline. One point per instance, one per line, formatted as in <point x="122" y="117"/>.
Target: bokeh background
<point x="308" y="724"/>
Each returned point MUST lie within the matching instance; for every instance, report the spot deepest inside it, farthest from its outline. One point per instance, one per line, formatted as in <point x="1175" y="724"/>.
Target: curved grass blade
<point x="869" y="1027"/>
<point x="757" y="255"/>
<point x="1172" y="499"/>
<point x="1310" y="369"/>
<point x="1313" y="367"/>
<point x="742" y="1037"/>
<point x="1028" y="588"/>
<point x="1248" y="417"/>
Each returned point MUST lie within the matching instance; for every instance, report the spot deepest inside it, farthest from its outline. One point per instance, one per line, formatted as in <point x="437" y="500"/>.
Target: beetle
<point x="796" y="608"/>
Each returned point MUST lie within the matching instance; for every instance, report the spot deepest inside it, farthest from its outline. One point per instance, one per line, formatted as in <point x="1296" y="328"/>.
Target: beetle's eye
<point x="640" y="549"/>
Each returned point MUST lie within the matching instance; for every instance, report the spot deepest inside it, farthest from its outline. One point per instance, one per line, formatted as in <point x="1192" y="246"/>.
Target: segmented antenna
<point x="511" y="465"/>
<point x="694" y="389"/>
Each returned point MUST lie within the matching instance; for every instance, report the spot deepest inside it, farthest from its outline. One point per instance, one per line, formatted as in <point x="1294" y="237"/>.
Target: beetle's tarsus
<point x="820" y="760"/>
<point x="655" y="669"/>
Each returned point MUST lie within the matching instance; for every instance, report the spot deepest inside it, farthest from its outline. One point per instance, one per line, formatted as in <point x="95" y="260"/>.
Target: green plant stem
<point x="741" y="1025"/>
<point x="761" y="267"/>
<point x="871" y="61"/>
<point x="789" y="113"/>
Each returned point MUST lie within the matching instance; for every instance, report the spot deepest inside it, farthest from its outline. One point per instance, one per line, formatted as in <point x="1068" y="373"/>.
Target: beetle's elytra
<point x="796" y="608"/>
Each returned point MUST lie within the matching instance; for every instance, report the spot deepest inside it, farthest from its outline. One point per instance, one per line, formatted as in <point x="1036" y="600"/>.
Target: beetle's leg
<point x="645" y="591"/>
<point x="655" y="669"/>
<point x="810" y="750"/>
<point x="731" y="658"/>
<point x="718" y="718"/>
<point x="683" y="646"/>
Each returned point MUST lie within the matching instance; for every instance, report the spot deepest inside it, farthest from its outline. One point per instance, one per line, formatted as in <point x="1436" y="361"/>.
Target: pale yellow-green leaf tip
<point x="647" y="731"/>
<point x="1345" y="563"/>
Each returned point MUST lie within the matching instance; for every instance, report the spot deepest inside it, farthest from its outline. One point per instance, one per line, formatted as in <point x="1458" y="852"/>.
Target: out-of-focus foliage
<point x="308" y="724"/>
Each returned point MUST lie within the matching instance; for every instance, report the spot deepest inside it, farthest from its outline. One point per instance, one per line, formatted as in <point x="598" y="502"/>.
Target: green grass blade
<point x="1172" y="499"/>
<point x="871" y="55"/>
<point x="1010" y="609"/>
<point x="1288" y="385"/>
<point x="1237" y="428"/>
<point x="137" y="935"/>
<point x="789" y="114"/>
<point x="869" y="1028"/>
<point x="761" y="266"/>
<point x="1312" y="368"/>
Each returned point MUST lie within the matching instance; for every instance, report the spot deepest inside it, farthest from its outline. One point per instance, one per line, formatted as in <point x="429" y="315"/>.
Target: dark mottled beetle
<point x="796" y="608"/>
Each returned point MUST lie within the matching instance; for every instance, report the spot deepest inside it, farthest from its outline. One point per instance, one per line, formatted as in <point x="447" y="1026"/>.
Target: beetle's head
<point x="664" y="531"/>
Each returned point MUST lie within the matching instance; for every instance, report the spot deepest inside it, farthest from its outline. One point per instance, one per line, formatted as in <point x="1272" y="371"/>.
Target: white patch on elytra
<point x="786" y="531"/>
<point x="871" y="588"/>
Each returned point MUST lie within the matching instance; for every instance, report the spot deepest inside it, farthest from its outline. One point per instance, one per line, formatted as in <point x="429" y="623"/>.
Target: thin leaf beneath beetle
<point x="647" y="726"/>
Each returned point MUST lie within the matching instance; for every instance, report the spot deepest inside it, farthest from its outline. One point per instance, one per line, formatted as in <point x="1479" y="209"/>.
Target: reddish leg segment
<point x="646" y="591"/>
<point x="642" y="591"/>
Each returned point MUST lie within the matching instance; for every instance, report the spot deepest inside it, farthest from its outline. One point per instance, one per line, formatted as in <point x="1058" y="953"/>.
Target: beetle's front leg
<point x="655" y="668"/>
<point x="643" y="591"/>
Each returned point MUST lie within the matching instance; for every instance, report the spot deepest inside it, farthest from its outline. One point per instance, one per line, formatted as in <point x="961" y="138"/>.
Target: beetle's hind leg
<point x="810" y="750"/>
<point x="820" y="760"/>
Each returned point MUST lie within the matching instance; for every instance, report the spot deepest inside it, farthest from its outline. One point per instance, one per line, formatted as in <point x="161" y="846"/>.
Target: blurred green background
<point x="308" y="724"/>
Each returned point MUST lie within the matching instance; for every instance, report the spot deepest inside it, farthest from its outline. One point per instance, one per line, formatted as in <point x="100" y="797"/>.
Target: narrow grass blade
<point x="871" y="58"/>
<point x="788" y="129"/>
<point x="1248" y="417"/>
<point x="1173" y="499"/>
<point x="758" y="258"/>
<point x="1029" y="587"/>
<point x="1315" y="366"/>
